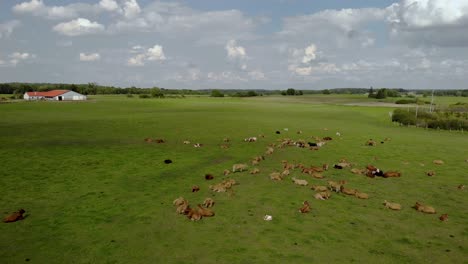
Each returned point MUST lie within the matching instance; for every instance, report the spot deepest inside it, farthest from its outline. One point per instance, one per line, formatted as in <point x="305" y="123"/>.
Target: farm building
<point x="57" y="95"/>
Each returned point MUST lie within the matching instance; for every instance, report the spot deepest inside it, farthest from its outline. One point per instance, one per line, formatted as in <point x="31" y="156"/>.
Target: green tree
<point x="381" y="94"/>
<point x="326" y="91"/>
<point x="216" y="93"/>
<point x="156" y="92"/>
<point x="290" y="91"/>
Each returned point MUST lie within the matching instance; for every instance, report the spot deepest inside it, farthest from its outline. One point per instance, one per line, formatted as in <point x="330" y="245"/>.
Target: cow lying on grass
<point x="239" y="167"/>
<point x="361" y="195"/>
<point x="318" y="188"/>
<point x="424" y="208"/>
<point x="393" y="206"/>
<point x="276" y="176"/>
<point x="255" y="171"/>
<point x="324" y="195"/>
<point x="443" y="217"/>
<point x="13" y="217"/>
<point x="299" y="182"/>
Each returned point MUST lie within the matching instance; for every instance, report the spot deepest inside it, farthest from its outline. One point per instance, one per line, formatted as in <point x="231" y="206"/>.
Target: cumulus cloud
<point x="155" y="53"/>
<point x="29" y="7"/>
<point x="17" y="57"/>
<point x="429" y="22"/>
<point x="234" y="51"/>
<point x="89" y="57"/>
<point x="131" y="9"/>
<point x="77" y="27"/>
<point x="309" y="54"/>
<point x="109" y="5"/>
<point x="7" y="28"/>
<point x="257" y="75"/>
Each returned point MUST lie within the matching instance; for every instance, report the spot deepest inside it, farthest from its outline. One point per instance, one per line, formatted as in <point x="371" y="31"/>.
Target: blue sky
<point x="262" y="44"/>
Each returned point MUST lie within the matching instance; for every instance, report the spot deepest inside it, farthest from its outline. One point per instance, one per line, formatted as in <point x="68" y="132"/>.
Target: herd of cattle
<point x="323" y="192"/>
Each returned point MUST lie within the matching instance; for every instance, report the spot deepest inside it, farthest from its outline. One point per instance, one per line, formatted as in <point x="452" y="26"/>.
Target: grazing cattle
<point x="224" y="146"/>
<point x="195" y="188"/>
<point x="285" y="173"/>
<point x="318" y="188"/>
<point x="239" y="167"/>
<point x="254" y="171"/>
<point x="299" y="182"/>
<point x="336" y="166"/>
<point x="361" y="195"/>
<point x="168" y="161"/>
<point x="347" y="191"/>
<point x="305" y="207"/>
<point x="148" y="140"/>
<point x="393" y="206"/>
<point x="276" y="176"/>
<point x="288" y="166"/>
<point x="338" y="134"/>
<point x="430" y="173"/>
<point x="159" y="140"/>
<point x="205" y="212"/>
<point x="389" y="174"/>
<point x="299" y="132"/>
<point x="186" y="142"/>
<point x="182" y="209"/>
<point x="13" y="217"/>
<point x="226" y="140"/>
<point x="198" y="145"/>
<point x="209" y="202"/>
<point x="193" y="214"/>
<point x="327" y="138"/>
<point x="209" y="177"/>
<point x="461" y="187"/>
<point x="371" y="142"/>
<point x="226" y="172"/>
<point x="424" y="208"/>
<point x="321" y="143"/>
<point x="324" y="195"/>
<point x="443" y="217"/>
<point x="312" y="144"/>
<point x="278" y="132"/>
<point x="259" y="158"/>
<point x="438" y="162"/>
<point x="255" y="162"/>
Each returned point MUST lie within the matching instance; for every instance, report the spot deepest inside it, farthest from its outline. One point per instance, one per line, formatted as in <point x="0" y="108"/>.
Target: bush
<point x="406" y="101"/>
<point x="216" y="93"/>
<point x="144" y="96"/>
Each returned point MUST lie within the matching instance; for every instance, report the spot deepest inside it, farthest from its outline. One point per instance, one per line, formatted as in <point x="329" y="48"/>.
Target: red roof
<point x="52" y="93"/>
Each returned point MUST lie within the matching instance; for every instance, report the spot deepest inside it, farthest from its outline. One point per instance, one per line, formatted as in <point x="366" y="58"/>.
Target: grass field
<point x="95" y="192"/>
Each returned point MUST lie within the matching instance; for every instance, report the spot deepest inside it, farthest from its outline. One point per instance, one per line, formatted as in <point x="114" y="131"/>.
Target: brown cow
<point x="305" y="207"/>
<point x="424" y="208"/>
<point x="205" y="212"/>
<point x="16" y="216"/>
<point x="443" y="217"/>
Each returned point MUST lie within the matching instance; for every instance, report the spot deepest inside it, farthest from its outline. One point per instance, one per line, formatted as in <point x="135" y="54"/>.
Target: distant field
<point x="95" y="192"/>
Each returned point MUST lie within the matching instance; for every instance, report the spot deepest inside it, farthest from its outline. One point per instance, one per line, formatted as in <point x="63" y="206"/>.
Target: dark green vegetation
<point x="455" y="116"/>
<point x="95" y="192"/>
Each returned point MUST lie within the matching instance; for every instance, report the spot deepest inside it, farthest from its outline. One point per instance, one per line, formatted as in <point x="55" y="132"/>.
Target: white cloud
<point x="131" y="9"/>
<point x="17" y="57"/>
<point x="29" y="7"/>
<point x="109" y="5"/>
<point x="309" y="54"/>
<point x="155" y="53"/>
<point x="429" y="22"/>
<point x="413" y="14"/>
<point x="89" y="57"/>
<point x="235" y="52"/>
<point x="136" y="60"/>
<point x="77" y="27"/>
<point x="7" y="28"/>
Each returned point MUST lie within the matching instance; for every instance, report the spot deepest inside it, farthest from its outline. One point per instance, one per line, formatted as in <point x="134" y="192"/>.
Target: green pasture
<point x="95" y="192"/>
